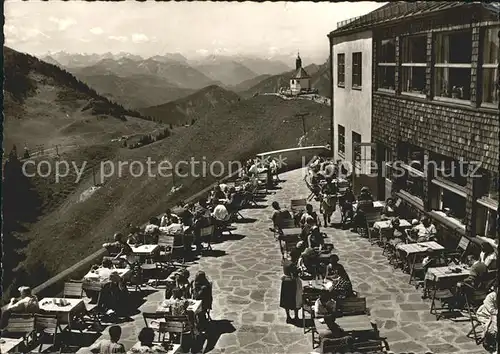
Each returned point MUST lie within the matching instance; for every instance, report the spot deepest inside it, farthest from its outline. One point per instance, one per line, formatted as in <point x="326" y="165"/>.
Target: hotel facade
<point x="418" y="81"/>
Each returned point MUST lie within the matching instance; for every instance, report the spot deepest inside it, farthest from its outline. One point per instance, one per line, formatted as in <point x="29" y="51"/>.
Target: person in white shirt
<point x="168" y="218"/>
<point x="253" y="170"/>
<point x="220" y="213"/>
<point x="488" y="256"/>
<point x="426" y="231"/>
<point x="26" y="303"/>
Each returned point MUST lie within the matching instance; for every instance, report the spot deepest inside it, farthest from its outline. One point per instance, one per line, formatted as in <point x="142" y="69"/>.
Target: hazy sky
<point x="191" y="28"/>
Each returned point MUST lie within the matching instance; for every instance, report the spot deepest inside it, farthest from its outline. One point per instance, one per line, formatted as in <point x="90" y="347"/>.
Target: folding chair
<point x="154" y="320"/>
<point x="262" y="181"/>
<point x="94" y="312"/>
<point x="458" y="254"/>
<point x="473" y="301"/>
<point x="297" y="205"/>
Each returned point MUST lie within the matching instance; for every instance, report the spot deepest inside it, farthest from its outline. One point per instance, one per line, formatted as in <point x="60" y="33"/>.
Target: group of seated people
<point x="199" y="288"/>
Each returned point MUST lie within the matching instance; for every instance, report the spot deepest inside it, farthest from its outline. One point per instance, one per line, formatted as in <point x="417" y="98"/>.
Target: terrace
<point x="245" y="269"/>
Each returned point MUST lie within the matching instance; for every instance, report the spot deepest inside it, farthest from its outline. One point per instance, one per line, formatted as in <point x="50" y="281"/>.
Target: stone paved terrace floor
<point x="247" y="284"/>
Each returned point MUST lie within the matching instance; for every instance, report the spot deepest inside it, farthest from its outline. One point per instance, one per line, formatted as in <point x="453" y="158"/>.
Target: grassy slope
<point x="74" y="230"/>
<point x="194" y="106"/>
<point x="137" y="90"/>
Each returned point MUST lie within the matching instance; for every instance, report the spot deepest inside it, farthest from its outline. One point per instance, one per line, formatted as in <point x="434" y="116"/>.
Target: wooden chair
<point x="177" y="325"/>
<point x="371" y="218"/>
<point x="166" y="243"/>
<point x="94" y="311"/>
<point x="73" y="290"/>
<point x="473" y="301"/>
<point x="352" y="306"/>
<point x="262" y="182"/>
<point x="154" y="320"/>
<point x="48" y="326"/>
<point x="21" y="326"/>
<point x="309" y="297"/>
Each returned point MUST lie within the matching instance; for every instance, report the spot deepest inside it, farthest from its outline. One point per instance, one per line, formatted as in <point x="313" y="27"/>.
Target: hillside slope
<point x="320" y="79"/>
<point x="228" y="72"/>
<point x="231" y="133"/>
<point x="136" y="90"/>
<point x="192" y="107"/>
<point x="45" y="105"/>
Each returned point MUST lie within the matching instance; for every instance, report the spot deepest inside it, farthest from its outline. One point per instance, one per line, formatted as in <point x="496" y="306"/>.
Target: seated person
<point x="135" y="236"/>
<point x="110" y="345"/>
<point x="220" y="213"/>
<point x="486" y="315"/>
<point x="389" y="210"/>
<point x="488" y="256"/>
<point x="314" y="236"/>
<point x="324" y="306"/>
<point x="235" y="200"/>
<point x="279" y="215"/>
<point x="152" y="231"/>
<point x="185" y="215"/>
<point x="426" y="231"/>
<point x="365" y="199"/>
<point x="296" y="252"/>
<point x="398" y="234"/>
<point x="26" y="303"/>
<point x="146" y="338"/>
<point x="341" y="283"/>
<point x="309" y="214"/>
<point x="105" y="270"/>
<point x="182" y="283"/>
<point x="168" y="218"/>
<point x="308" y="262"/>
<point x="122" y="248"/>
<point x="476" y="278"/>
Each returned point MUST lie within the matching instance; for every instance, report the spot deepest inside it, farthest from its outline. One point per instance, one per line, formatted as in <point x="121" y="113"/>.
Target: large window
<point x="341" y="136"/>
<point x="356" y="141"/>
<point x="453" y="54"/>
<point x="413" y="64"/>
<point x="356" y="70"/>
<point x="490" y="66"/>
<point x="341" y="69"/>
<point x="407" y="171"/>
<point x="386" y="64"/>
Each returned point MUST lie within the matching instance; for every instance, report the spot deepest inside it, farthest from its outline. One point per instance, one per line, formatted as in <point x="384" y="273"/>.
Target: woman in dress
<point x="341" y="283"/>
<point x="291" y="291"/>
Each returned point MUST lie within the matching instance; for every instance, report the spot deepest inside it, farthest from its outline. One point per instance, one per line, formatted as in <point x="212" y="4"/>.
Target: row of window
<point x="356" y="70"/>
<point x="451" y="65"/>
<point x="447" y="189"/>
<point x="356" y="139"/>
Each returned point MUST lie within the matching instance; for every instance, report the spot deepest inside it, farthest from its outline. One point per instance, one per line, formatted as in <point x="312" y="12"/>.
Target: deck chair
<point x="206" y="234"/>
<point x="262" y="181"/>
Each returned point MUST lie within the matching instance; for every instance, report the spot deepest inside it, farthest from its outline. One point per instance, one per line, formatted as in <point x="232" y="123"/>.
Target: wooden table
<point x="350" y="324"/>
<point x="412" y="250"/>
<point x="65" y="313"/>
<point x="94" y="275"/>
<point x="10" y="344"/>
<point x="377" y="205"/>
<point x="176" y="348"/>
<point x="194" y="305"/>
<point x="443" y="273"/>
<point x="144" y="250"/>
<point x="386" y="224"/>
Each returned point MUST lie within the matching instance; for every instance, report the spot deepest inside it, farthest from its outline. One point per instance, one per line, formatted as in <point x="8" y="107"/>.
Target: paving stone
<point x="442" y="348"/>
